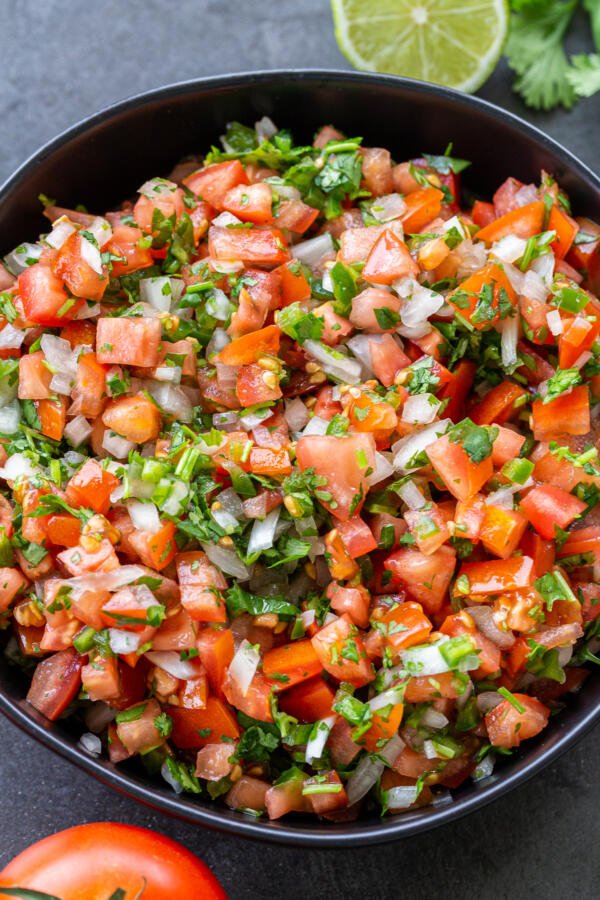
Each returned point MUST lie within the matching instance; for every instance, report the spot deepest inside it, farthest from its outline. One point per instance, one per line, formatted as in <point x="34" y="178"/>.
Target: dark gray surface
<point x="61" y="61"/>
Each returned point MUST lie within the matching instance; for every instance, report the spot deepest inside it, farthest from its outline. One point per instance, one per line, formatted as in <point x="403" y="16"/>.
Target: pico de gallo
<point x="299" y="460"/>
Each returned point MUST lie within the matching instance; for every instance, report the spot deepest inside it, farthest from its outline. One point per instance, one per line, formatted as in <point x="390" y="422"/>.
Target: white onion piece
<point x="414" y="332"/>
<point x="157" y="187"/>
<point x="555" y="323"/>
<point x="544" y="266"/>
<point x="77" y="431"/>
<point x="170" y="374"/>
<point x="175" y="501"/>
<point x="218" y="304"/>
<point x="251" y="420"/>
<point x="483" y="616"/>
<point x="101" y="229"/>
<point x="157" y="292"/>
<point x="122" y="641"/>
<point x="91" y="255"/>
<point x="457" y="224"/>
<point x="360" y="345"/>
<point x="534" y="287"/>
<point x="509" y="248"/>
<point x="472" y="257"/>
<point x="265" y="128"/>
<point x="308" y="617"/>
<point x="383" y="469"/>
<point x="230" y="502"/>
<point x="18" y="465"/>
<point x="59" y="354"/>
<point x="431" y="718"/>
<point x="564" y="655"/>
<point x="484" y="768"/>
<point x="583" y="359"/>
<point x="388" y="207"/>
<point x="412" y="495"/>
<point x="488" y="700"/>
<point x="170" y="778"/>
<point x="226" y="218"/>
<point x="225" y="421"/>
<point x="88" y="311"/>
<point x="426" y="660"/>
<point x="408" y="447"/>
<point x="107" y="581"/>
<point x="420" y="305"/>
<point x="392" y="697"/>
<point x="504" y="497"/>
<point x="116" y="445"/>
<point x="62" y="229"/>
<point x="402" y="796"/>
<point x="10" y="416"/>
<point x="296" y="414"/>
<point x="312" y="251"/>
<point x="171" y="662"/>
<point x="327" y="281"/>
<point x="363" y="778"/>
<point x="243" y="666"/>
<point x="91" y="743"/>
<point x="334" y="363"/>
<point x="144" y="516"/>
<point x="22" y="257"/>
<point x="420" y="409"/>
<point x="226" y="560"/>
<point x="318" y="738"/>
<point x="227" y="266"/>
<point x="263" y="532"/>
<point x="509" y="340"/>
<point x="11" y="338"/>
<point x="171" y="398"/>
<point x="316" y="425"/>
<point x="515" y="276"/>
<point x="98" y="716"/>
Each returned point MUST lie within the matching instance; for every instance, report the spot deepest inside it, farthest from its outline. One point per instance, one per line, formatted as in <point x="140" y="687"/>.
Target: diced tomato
<point x="344" y="462"/>
<point x="138" y="732"/>
<point x="428" y="527"/>
<point x="72" y="268"/>
<point x="457" y="390"/>
<point x="498" y="405"/>
<point x="255" y="702"/>
<point x="424" y="688"/>
<point x="566" y="230"/>
<point x="461" y="476"/>
<point x="402" y="625"/>
<point x="584" y="540"/>
<point x="248" y="793"/>
<point x="295" y="216"/>
<point x="195" y="728"/>
<point x="44" y="298"/>
<point x="267" y="461"/>
<point x="502" y="530"/>
<point x="377" y="171"/>
<point x="136" y="418"/>
<point x="201" y="584"/>
<point x="422" y="206"/>
<point x="387" y="358"/>
<point x="56" y="682"/>
<point x="506" y="446"/>
<point x="158" y="549"/>
<point x="342" y="652"/>
<point x="250" y="203"/>
<point x="252" y="388"/>
<point x="78" y="560"/>
<point x="34" y="377"/>
<point x="507" y="724"/>
<point x="309" y="700"/>
<point x="12" y="583"/>
<point x="91" y="486"/>
<point x="496" y="576"/>
<point x="548" y="507"/>
<point x="214" y="182"/>
<point x="542" y="552"/>
<point x="125" y="244"/>
<point x="569" y="413"/>
<point x="336" y="328"/>
<point x="262" y="247"/>
<point x="53" y="417"/>
<point x="128" y="341"/>
<point x="586" y="257"/>
<point x="89" y="393"/>
<point x="488" y="652"/>
<point x="260" y="294"/>
<point x="483" y="213"/>
<point x="212" y="762"/>
<point x="426" y="578"/>
<point x="357" y="243"/>
<point x="247" y="349"/>
<point x="100" y="678"/>
<point x="291" y="664"/>
<point x="357" y="537"/>
<point x="368" y="303"/>
<point x="324" y="803"/>
<point x="375" y="417"/>
<point x="294" y="286"/>
<point x="577" y="337"/>
<point x="170" y="203"/>
<point x="388" y="260"/>
<point x="63" y="530"/>
<point x="351" y="600"/>
<point x="466" y="297"/>
<point x="286" y="796"/>
<point x="216" y="650"/>
<point x="524" y="222"/>
<point x="385" y="724"/>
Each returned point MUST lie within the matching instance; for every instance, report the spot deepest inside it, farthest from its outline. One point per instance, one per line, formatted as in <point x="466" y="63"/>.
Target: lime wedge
<point x="451" y="42"/>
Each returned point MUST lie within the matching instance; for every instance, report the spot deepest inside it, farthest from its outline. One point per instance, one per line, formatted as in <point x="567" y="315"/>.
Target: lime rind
<point x="440" y="41"/>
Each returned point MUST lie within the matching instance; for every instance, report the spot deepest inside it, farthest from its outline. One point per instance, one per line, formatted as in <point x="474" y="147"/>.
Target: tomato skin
<point x="308" y="701"/>
<point x="250" y="203"/>
<point x="568" y="414"/>
<point x="498" y="405"/>
<point x="92" y="486"/>
<point x="423" y="205"/>
<point x="548" y="507"/>
<point x="247" y="348"/>
<point x="96" y="859"/>
<point x="336" y="635"/>
<point x="43" y="295"/>
<point x="213" y="183"/>
<point x="339" y="460"/>
<point x="389" y="259"/>
<point x="297" y="662"/>
<point x="251" y="387"/>
<point x="128" y="341"/>
<point x="461" y="476"/>
<point x="501" y="530"/>
<point x="507" y="727"/>
<point x="215" y="716"/>
<point x="426" y="578"/>
<point x="34" y="377"/>
<point x="135" y="418"/>
<point x="566" y="230"/>
<point x="483" y="213"/>
<point x="524" y="222"/>
<point x="294" y="286"/>
<point x="56" y="682"/>
<point x="262" y="247"/>
<point x="496" y="576"/>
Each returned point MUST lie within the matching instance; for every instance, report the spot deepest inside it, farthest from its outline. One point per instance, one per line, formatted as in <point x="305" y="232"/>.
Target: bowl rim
<point x="347" y="834"/>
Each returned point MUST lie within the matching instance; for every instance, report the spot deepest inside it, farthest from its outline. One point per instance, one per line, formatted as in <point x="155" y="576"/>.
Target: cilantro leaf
<point x="584" y="74"/>
<point x="562" y="380"/>
<point x="299" y="324"/>
<point x="535" y="52"/>
<point x="446" y="163"/>
<point x="477" y="440"/>
<point x="239" y="601"/>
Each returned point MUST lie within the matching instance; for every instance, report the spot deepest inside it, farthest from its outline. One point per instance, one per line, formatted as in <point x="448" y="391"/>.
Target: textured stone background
<point x="63" y="60"/>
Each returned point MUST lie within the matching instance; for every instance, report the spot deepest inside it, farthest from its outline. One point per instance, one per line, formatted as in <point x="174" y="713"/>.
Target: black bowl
<point x="104" y="158"/>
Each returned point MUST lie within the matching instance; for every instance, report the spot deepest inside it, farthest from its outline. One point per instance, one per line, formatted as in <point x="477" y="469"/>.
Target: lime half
<point x="451" y="42"/>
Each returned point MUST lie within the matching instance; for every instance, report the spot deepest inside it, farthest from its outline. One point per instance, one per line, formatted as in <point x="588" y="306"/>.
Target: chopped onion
<point x="116" y="445"/>
<point x="107" y="581"/>
<point x="484" y="768"/>
<point x="392" y="697"/>
<point x="101" y="229"/>
<point x="98" y="716"/>
<point x="11" y="338"/>
<point x="91" y="255"/>
<point x="360" y="345"/>
<point x="219" y="339"/>
<point x="225" y="219"/>
<point x="411" y="446"/>
<point x="170" y="374"/>
<point x="420" y="305"/>
<point x="174" y="502"/>
<point x="555" y="323"/>
<point x="472" y="257"/>
<point x="488" y="700"/>
<point x="426" y="660"/>
<point x="316" y="425"/>
<point x="431" y="718"/>
<point x="402" y="796"/>
<point x="515" y="276"/>
<point x="296" y="414"/>
<point x="265" y="128"/>
<point x="144" y="516"/>
<point x="327" y="281"/>
<point x="509" y="248"/>
<point x="227" y="266"/>
<point x="10" y="416"/>
<point x="544" y="266"/>
<point x="88" y="311"/>
<point x="243" y="666"/>
<point x="383" y="469"/>
<point x="420" y="409"/>
<point x="22" y="257"/>
<point x="226" y="560"/>
<point x="333" y="362"/>
<point x="18" y="465"/>
<point x="363" y="778"/>
<point x="263" y="532"/>
<point x="414" y="332"/>
<point x="583" y="359"/>
<point x="77" y="431"/>
<point x="504" y="497"/>
<point x="534" y="287"/>
<point x="157" y="187"/>
<point x="318" y="738"/>
<point x="308" y="617"/>
<point x="157" y="292"/>
<point x="171" y="662"/>
<point x="526" y="195"/>
<point x="175" y="783"/>
<point x="226" y="421"/>
<point x="483" y="616"/>
<point x="508" y="341"/>
<point x="388" y="207"/>
<point x="251" y="420"/>
<point x="412" y="495"/>
<point x="91" y="743"/>
<point x="312" y="251"/>
<point x="171" y="398"/>
<point x="62" y="229"/>
<point x="58" y="353"/>
<point x="218" y="304"/>
<point x="122" y="641"/>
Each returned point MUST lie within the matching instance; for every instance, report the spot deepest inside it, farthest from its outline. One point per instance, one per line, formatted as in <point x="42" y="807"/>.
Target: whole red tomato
<point x="92" y="862"/>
